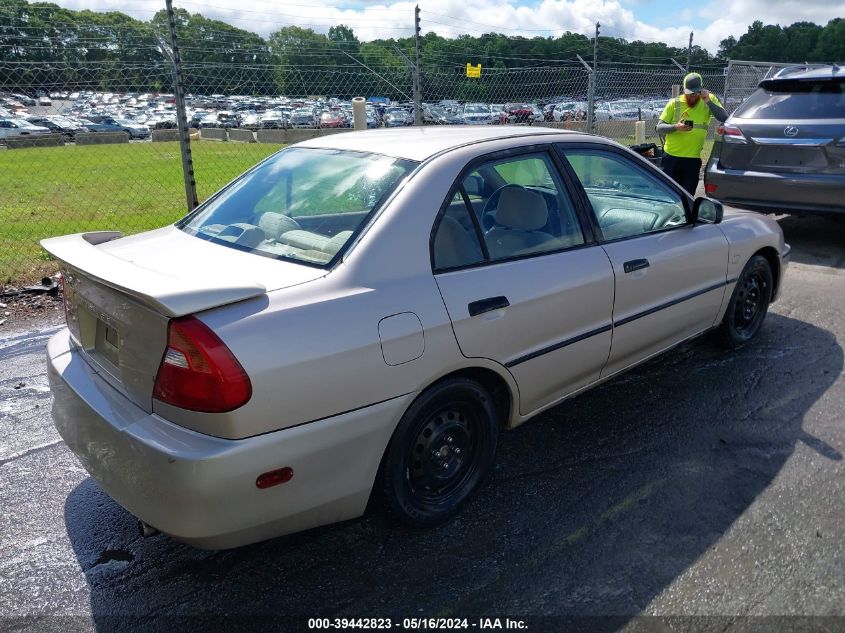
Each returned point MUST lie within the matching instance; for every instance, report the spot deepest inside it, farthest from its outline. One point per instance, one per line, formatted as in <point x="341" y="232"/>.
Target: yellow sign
<point x="474" y="71"/>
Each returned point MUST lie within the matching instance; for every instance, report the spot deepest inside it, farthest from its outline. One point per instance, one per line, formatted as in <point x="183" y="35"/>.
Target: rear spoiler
<point x="169" y="295"/>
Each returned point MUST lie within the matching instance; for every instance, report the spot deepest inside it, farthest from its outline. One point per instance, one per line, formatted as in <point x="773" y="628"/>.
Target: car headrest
<point x="274" y="224"/>
<point x="522" y="209"/>
<point x="454" y="246"/>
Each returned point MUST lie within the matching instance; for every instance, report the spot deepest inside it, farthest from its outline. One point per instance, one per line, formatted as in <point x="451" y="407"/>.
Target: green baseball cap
<point x="692" y="84"/>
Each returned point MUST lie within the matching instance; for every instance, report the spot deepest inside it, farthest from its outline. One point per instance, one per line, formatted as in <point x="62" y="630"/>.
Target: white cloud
<point x="735" y="17"/>
<point x="447" y="18"/>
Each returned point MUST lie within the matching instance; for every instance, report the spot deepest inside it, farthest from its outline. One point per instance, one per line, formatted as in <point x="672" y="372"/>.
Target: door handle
<point x="487" y="305"/>
<point x="635" y="264"/>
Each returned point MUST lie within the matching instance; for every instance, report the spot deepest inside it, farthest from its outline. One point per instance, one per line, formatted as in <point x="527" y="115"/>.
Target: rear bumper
<point x="201" y="489"/>
<point x="774" y="193"/>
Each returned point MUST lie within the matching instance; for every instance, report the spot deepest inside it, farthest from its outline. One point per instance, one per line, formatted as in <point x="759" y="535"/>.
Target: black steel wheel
<point x="441" y="452"/>
<point x="749" y="303"/>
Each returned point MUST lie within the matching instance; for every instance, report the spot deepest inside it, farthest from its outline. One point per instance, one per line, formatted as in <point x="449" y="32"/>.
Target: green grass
<point x="133" y="187"/>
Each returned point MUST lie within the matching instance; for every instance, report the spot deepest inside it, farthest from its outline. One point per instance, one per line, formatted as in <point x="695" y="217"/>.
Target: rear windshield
<point x="796" y="100"/>
<point x="301" y="204"/>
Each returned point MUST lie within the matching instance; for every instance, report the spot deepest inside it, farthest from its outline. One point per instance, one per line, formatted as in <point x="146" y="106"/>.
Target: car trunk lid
<point x="120" y="294"/>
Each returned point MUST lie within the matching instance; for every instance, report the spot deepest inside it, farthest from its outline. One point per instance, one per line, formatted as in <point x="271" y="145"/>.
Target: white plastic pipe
<point x="359" y="113"/>
<point x="639" y="132"/>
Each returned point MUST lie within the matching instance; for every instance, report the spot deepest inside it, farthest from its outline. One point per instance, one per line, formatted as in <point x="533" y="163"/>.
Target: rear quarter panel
<point x="314" y="351"/>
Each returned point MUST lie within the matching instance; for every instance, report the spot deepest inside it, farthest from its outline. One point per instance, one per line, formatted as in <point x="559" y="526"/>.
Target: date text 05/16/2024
<point x="417" y="624"/>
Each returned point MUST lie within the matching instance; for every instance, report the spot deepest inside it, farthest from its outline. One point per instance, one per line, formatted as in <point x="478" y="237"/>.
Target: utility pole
<point x="591" y="98"/>
<point x="596" y="45"/>
<point x="181" y="117"/>
<point x="689" y="50"/>
<point x="418" y="118"/>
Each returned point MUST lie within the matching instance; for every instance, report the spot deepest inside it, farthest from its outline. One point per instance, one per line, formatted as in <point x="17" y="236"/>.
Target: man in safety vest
<point x="684" y="123"/>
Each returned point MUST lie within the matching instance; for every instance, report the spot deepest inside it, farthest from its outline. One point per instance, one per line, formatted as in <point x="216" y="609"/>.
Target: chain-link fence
<point x="77" y="155"/>
<point x="627" y="92"/>
<point x="93" y="144"/>
<point x="742" y="78"/>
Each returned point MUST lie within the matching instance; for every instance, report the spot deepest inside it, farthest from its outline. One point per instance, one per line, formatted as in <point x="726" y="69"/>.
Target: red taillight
<point x="710" y="188"/>
<point x="198" y="372"/>
<point x="730" y="134"/>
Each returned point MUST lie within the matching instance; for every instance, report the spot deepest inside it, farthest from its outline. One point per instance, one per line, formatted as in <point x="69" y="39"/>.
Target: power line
<point x="494" y="26"/>
<point x="289" y="4"/>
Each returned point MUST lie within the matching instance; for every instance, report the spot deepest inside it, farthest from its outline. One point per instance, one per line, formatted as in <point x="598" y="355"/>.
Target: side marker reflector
<point x="274" y="478"/>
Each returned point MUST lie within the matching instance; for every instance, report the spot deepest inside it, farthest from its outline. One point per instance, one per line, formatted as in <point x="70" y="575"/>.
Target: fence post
<point x="689" y="52"/>
<point x="418" y="118"/>
<point x="181" y="117"/>
<point x="727" y="103"/>
<point x="591" y="105"/>
<point x="591" y="95"/>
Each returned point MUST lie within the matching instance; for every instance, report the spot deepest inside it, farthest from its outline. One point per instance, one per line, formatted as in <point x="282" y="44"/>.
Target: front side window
<point x="626" y="200"/>
<point x="301" y="204"/>
<point x="528" y="211"/>
<point x="517" y="204"/>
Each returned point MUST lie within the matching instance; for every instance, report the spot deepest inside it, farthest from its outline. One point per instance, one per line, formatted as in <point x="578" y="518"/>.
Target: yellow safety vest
<point x="687" y="144"/>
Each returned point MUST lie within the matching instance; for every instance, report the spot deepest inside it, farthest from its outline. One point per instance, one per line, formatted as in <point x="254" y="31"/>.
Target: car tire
<point x="748" y="305"/>
<point x="441" y="453"/>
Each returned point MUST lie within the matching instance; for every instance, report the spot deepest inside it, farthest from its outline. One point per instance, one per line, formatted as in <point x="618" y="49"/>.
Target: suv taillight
<point x="731" y="134"/>
<point x="198" y="372"/>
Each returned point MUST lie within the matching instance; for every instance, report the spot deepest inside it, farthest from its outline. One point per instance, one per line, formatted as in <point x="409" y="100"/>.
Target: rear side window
<point x="517" y="205"/>
<point x="796" y="100"/>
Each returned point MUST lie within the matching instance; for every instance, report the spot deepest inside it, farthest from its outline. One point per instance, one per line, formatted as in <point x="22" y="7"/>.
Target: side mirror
<point x="707" y="210"/>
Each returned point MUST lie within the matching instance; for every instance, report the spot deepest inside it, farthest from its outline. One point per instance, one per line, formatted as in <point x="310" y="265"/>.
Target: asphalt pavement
<point x="705" y="484"/>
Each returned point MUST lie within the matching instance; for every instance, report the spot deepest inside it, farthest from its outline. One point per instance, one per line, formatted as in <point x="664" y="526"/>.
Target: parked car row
<point x="57" y="124"/>
<point x="69" y="127"/>
<point x="140" y="113"/>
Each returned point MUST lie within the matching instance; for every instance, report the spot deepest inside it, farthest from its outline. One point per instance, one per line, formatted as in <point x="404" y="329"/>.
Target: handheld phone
<point x="688" y="122"/>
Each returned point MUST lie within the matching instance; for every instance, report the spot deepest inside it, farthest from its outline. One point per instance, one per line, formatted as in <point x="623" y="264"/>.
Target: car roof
<point x="809" y="72"/>
<point x="420" y="143"/>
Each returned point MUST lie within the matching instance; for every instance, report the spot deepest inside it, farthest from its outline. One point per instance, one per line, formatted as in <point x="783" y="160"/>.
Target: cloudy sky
<point x="650" y="20"/>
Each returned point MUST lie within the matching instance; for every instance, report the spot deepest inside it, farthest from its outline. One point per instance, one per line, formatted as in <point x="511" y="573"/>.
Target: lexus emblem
<point x="790" y="131"/>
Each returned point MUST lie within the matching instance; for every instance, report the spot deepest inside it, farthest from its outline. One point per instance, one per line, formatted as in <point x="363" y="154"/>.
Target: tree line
<point x="58" y="47"/>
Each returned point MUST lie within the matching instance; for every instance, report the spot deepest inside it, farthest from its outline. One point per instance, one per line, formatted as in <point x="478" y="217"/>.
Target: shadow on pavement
<point x="595" y="507"/>
<point x="817" y="240"/>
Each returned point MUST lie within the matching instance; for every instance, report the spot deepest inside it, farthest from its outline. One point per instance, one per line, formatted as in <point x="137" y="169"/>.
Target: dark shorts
<point x="683" y="171"/>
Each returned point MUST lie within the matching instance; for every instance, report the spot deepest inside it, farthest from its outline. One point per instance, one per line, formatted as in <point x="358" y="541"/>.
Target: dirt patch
<point x="24" y="305"/>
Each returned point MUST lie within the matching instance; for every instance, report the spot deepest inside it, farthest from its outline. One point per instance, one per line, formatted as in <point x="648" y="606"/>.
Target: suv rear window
<point x="796" y="100"/>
